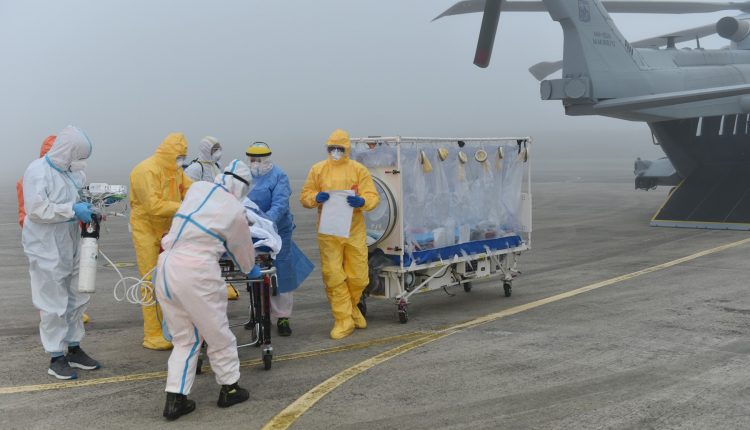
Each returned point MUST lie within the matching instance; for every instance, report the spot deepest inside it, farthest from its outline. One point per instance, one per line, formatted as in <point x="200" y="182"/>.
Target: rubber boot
<point x="85" y="318"/>
<point x="152" y="335"/>
<point x="231" y="395"/>
<point x="359" y="320"/>
<point x="177" y="405"/>
<point x="341" y="308"/>
<point x="232" y="293"/>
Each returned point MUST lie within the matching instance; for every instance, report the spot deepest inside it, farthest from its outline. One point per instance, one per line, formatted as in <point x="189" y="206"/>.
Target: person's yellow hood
<point x="339" y="138"/>
<point x="174" y="145"/>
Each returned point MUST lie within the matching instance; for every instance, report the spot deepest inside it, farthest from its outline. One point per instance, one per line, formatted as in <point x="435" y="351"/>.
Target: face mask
<point x="180" y="162"/>
<point x="216" y="155"/>
<point x="255" y="169"/>
<point x="77" y="166"/>
<point x="265" y="166"/>
<point x="336" y="154"/>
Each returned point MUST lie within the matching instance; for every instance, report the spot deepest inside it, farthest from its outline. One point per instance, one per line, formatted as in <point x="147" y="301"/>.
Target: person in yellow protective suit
<point x="157" y="187"/>
<point x="343" y="260"/>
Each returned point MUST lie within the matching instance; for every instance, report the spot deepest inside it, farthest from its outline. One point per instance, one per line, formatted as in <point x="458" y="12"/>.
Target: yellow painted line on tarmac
<point x="246" y="363"/>
<point x="287" y="417"/>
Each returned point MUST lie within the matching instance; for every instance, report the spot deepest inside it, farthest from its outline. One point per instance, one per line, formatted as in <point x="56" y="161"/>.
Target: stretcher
<point x="258" y="322"/>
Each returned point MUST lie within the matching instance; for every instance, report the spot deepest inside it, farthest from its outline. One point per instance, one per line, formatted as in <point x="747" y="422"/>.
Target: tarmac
<point x="612" y="324"/>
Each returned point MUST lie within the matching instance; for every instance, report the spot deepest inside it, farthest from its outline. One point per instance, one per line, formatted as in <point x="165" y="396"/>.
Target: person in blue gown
<point x="271" y="192"/>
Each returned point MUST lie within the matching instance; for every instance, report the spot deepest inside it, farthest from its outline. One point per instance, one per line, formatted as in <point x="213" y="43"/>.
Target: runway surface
<point x="665" y="347"/>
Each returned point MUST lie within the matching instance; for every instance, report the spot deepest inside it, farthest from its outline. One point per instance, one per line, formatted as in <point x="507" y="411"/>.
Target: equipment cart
<point x="452" y="211"/>
<point x="259" y="310"/>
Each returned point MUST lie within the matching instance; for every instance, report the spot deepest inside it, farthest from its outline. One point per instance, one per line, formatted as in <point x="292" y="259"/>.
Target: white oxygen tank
<point x="89" y="252"/>
<point x="87" y="266"/>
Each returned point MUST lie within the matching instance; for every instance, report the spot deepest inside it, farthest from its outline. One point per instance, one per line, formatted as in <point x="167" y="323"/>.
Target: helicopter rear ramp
<point x="712" y="198"/>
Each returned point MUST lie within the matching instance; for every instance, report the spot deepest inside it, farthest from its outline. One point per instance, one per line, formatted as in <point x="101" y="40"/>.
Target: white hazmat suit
<point x="206" y="167"/>
<point x="51" y="237"/>
<point x="210" y="222"/>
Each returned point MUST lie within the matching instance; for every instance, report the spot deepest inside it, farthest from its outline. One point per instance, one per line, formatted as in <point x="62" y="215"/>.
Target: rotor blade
<point x="672" y="7"/>
<point x="612" y="6"/>
<point x="546" y="68"/>
<point x="487" y="33"/>
<point x="679" y="36"/>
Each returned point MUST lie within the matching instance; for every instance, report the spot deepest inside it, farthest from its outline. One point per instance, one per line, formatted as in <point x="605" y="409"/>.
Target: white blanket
<point x="262" y="228"/>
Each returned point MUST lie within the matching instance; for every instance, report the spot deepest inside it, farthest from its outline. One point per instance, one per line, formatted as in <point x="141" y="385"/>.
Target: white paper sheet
<point x="336" y="216"/>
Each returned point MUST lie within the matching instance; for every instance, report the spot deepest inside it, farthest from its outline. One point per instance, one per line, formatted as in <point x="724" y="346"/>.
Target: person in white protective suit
<point x="51" y="236"/>
<point x="210" y="222"/>
<point x="206" y="167"/>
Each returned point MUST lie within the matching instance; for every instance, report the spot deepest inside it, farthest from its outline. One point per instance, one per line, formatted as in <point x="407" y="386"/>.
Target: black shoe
<point x="177" y="405"/>
<point x="77" y="358"/>
<point x="60" y="369"/>
<point x="231" y="395"/>
<point x="284" y="328"/>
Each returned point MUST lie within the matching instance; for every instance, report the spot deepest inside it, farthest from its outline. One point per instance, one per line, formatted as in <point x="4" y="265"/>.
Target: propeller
<point x="487" y="32"/>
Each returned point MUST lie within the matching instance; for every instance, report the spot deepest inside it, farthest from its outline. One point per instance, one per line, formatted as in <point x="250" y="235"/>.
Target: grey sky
<point x="129" y="72"/>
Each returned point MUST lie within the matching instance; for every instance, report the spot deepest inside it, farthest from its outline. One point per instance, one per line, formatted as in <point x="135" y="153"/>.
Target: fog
<point x="288" y="73"/>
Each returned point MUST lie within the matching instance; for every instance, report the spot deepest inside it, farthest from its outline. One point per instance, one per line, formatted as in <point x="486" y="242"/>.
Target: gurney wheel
<point x="467" y="286"/>
<point x="267" y="361"/>
<point x="199" y="367"/>
<point x="403" y="316"/>
<point x="507" y="288"/>
<point x="362" y="305"/>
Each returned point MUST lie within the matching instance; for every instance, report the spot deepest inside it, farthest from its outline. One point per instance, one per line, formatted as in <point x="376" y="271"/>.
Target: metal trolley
<point x="259" y="310"/>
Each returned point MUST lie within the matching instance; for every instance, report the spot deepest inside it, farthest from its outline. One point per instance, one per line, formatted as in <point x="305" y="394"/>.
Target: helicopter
<point x="696" y="101"/>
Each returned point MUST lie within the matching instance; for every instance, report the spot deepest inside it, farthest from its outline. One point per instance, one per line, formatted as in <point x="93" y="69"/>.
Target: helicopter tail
<point x="594" y="48"/>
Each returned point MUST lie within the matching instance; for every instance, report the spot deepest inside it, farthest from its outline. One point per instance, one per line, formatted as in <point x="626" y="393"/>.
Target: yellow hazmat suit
<point x="157" y="186"/>
<point x="343" y="261"/>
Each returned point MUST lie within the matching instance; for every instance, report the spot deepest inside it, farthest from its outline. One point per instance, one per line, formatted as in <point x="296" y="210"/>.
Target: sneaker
<point x="79" y="359"/>
<point x="231" y="395"/>
<point x="283" y="326"/>
<point x="60" y="369"/>
<point x="177" y="405"/>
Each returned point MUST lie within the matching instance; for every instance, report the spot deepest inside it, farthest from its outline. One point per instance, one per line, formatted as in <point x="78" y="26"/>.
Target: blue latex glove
<point x="322" y="197"/>
<point x="355" y="201"/>
<point x="255" y="273"/>
<point x="83" y="211"/>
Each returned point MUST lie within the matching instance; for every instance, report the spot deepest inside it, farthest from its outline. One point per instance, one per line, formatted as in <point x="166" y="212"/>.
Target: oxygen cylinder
<point x="89" y="252"/>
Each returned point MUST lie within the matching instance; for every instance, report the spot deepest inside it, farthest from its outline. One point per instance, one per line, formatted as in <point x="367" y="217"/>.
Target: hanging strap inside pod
<point x="499" y="158"/>
<point x="426" y="166"/>
<point x="463" y="159"/>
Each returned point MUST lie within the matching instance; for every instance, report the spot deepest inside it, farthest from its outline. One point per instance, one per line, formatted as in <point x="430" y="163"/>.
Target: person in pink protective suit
<point x="210" y="222"/>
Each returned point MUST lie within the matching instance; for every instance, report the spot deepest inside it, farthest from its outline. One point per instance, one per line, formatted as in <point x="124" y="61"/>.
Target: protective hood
<point x="174" y="145"/>
<point x="47" y="145"/>
<point x="339" y="138"/>
<point x="71" y="145"/>
<point x="205" y="147"/>
<point x="236" y="179"/>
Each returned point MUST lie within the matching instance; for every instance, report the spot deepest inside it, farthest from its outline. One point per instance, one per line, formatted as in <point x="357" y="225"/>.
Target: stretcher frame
<point x="259" y="294"/>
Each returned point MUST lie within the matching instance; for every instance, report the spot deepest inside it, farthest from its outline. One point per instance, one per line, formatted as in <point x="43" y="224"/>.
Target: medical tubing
<point x="132" y="293"/>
